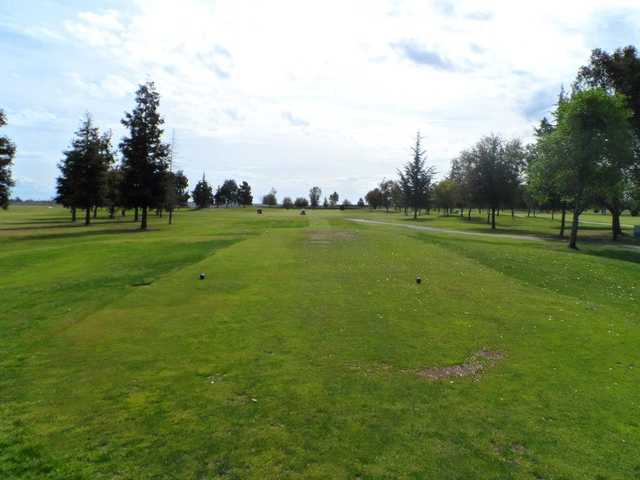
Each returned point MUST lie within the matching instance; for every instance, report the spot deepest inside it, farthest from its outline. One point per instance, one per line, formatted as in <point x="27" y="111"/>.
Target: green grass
<point x="297" y="356"/>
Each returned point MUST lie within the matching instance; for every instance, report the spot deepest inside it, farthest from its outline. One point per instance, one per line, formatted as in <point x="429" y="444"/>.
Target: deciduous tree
<point x="314" y="197"/>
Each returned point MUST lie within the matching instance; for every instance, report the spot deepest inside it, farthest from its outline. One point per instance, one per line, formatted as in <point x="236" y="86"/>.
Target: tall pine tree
<point x="84" y="170"/>
<point x="144" y="155"/>
<point x="7" y="152"/>
<point x="415" y="179"/>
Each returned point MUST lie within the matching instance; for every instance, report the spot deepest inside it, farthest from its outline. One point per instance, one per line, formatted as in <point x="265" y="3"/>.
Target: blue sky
<point x="294" y="93"/>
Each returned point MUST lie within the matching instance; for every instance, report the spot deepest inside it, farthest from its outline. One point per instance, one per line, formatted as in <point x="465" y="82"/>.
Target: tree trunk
<point x="469" y="214"/>
<point x="112" y="212"/>
<point x="143" y="224"/>
<point x="552" y="214"/>
<point x="415" y="213"/>
<point x="574" y="228"/>
<point x="73" y="214"/>
<point x="488" y="216"/>
<point x="513" y="213"/>
<point x="493" y="219"/>
<point x="562" y="221"/>
<point x="528" y="212"/>
<point x="616" y="230"/>
<point x="95" y="211"/>
<point x="124" y="212"/>
<point x="87" y="216"/>
<point x="170" y="216"/>
<point x="136" y="215"/>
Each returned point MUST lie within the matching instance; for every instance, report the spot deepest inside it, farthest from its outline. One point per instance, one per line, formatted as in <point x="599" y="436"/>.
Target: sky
<point x="294" y="93"/>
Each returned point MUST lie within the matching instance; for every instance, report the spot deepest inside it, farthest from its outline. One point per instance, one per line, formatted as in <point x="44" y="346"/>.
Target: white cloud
<point x="360" y="76"/>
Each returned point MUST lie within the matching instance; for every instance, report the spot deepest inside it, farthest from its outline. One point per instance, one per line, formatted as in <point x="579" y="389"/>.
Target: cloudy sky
<point x="291" y="94"/>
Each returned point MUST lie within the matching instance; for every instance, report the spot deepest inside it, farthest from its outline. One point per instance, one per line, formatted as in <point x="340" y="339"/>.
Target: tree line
<point x="313" y="200"/>
<point x="587" y="155"/>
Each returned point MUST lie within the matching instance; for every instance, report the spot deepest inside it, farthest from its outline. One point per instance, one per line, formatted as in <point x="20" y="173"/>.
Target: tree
<point x="618" y="72"/>
<point x="374" y="198"/>
<point x="113" y="196"/>
<point x="325" y="204"/>
<point x="386" y="193"/>
<point x="7" y="153"/>
<point x="270" y="198"/>
<point x="397" y="197"/>
<point x="301" y="202"/>
<point x="84" y="170"/>
<point x="181" y="183"/>
<point x="592" y="139"/>
<point x="334" y="198"/>
<point x="287" y="203"/>
<point x="176" y="194"/>
<point x="227" y="193"/>
<point x="203" y="194"/>
<point x="446" y="195"/>
<point x="494" y="171"/>
<point x="144" y="155"/>
<point x="415" y="179"/>
<point x="361" y="203"/>
<point x="314" y="197"/>
<point x="245" y="198"/>
<point x="346" y="203"/>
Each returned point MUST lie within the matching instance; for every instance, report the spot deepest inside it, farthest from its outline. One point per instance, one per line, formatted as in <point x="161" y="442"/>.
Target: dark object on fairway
<point x="302" y="212"/>
<point x="259" y="211"/>
<point x="202" y="275"/>
<point x="636" y="231"/>
<point x="418" y="280"/>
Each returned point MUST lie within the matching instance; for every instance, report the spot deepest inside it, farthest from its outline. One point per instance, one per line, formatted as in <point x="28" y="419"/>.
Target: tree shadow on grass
<point x="85" y="233"/>
<point x="60" y="225"/>
<point x="618" y="254"/>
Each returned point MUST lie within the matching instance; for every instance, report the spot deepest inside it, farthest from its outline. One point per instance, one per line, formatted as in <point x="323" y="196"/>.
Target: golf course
<point x="310" y="350"/>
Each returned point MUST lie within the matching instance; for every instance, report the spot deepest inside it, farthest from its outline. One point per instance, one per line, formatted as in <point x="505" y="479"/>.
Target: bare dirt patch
<point x="476" y="364"/>
<point x="329" y="236"/>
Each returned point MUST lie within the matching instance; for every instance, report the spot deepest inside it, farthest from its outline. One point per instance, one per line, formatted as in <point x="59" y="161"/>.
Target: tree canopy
<point x="7" y="153"/>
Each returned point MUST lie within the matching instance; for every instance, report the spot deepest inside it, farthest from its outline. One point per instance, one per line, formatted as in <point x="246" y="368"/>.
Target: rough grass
<point x="288" y="360"/>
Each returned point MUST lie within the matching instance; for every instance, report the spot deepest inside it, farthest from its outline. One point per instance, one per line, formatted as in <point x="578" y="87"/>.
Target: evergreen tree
<point x="227" y="193"/>
<point x="415" y="179"/>
<point x="144" y="155"/>
<point x="84" y="170"/>
<point x="245" y="198"/>
<point x="7" y="153"/>
<point x="113" y="191"/>
<point x="203" y="194"/>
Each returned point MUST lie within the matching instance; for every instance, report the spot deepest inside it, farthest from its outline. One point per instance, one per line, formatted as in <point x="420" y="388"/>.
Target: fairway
<point x="309" y="350"/>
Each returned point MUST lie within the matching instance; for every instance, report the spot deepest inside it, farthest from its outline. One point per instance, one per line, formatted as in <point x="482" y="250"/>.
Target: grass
<point x="297" y="356"/>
